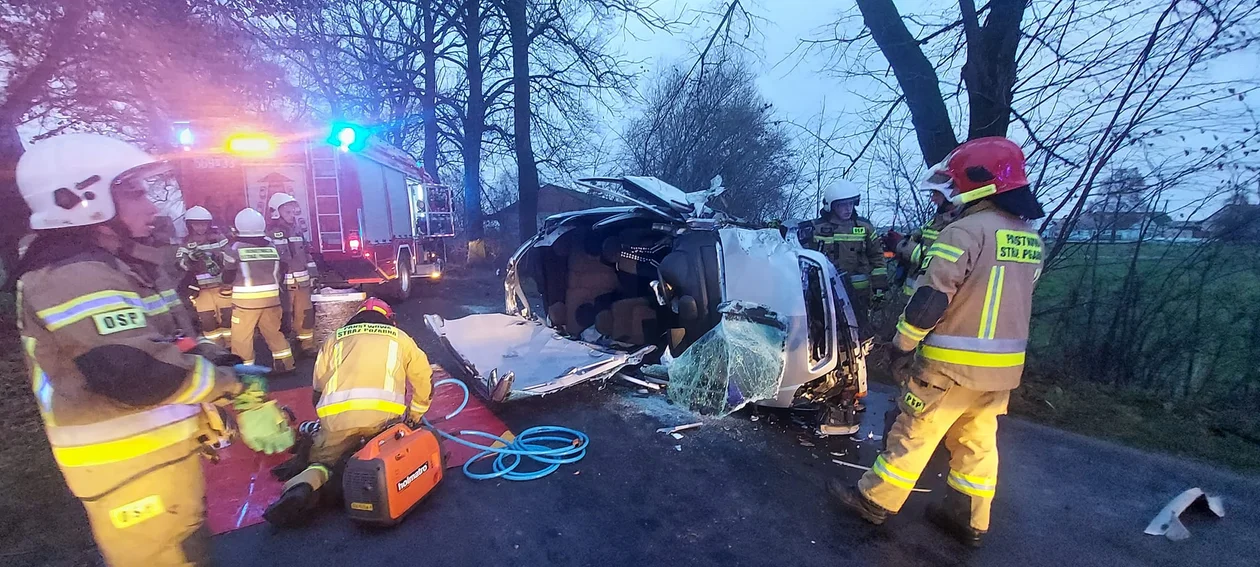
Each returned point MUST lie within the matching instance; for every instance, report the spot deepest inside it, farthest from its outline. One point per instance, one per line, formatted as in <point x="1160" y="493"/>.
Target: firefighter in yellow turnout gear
<point x="254" y="266"/>
<point x="912" y="250"/>
<point x="201" y="255"/>
<point x="361" y="378"/>
<point x="849" y="241"/>
<point x="298" y="277"/>
<point x="120" y="401"/>
<point x="960" y="345"/>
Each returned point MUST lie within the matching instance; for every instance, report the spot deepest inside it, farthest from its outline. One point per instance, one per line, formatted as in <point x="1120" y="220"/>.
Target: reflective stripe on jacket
<point x="115" y="394"/>
<point x="293" y="247"/>
<point x="255" y="269"/>
<point x="912" y="250"/>
<point x="212" y="243"/>
<point x="852" y="245"/>
<point x="363" y="372"/>
<point x="986" y="263"/>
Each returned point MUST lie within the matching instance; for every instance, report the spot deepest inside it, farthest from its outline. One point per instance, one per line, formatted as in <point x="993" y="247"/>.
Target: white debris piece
<point x="1168" y="521"/>
<point x="639" y="382"/>
<point x="678" y="428"/>
<point x="676" y="435"/>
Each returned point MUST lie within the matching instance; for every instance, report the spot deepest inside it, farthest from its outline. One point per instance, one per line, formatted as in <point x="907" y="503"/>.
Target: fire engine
<point x="374" y="218"/>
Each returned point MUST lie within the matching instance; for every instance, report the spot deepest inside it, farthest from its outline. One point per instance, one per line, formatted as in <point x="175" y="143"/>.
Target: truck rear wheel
<point x="399" y="290"/>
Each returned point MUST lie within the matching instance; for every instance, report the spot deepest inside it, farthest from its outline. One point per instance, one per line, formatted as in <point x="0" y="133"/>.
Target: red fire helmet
<point x="985" y="166"/>
<point x="374" y="304"/>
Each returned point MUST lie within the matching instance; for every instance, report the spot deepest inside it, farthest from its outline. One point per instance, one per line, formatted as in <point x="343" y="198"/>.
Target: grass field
<point x="1157" y="351"/>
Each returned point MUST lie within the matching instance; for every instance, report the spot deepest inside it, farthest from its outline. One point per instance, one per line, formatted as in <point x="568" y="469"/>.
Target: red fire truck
<point x="375" y="219"/>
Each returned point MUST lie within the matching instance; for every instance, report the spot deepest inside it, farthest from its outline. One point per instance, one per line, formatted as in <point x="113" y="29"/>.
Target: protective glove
<point x="902" y="364"/>
<point x="265" y="429"/>
<point x="254" y="392"/>
<point x="216" y="354"/>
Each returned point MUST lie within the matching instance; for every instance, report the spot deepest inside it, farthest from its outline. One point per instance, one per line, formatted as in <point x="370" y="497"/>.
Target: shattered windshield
<point x="739" y="361"/>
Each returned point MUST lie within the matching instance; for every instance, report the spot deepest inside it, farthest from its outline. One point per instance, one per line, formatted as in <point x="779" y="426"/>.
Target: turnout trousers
<point x="266" y="321"/>
<point x="214" y="314"/>
<point x="156" y="519"/>
<point x="934" y="407"/>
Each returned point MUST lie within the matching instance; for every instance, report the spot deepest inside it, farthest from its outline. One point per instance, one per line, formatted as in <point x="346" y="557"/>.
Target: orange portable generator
<point x="389" y="476"/>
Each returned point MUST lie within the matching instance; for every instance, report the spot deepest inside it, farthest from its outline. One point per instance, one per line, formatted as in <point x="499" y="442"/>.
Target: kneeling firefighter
<point x="361" y="376"/>
<point x="960" y="344"/>
<point x="124" y="391"/>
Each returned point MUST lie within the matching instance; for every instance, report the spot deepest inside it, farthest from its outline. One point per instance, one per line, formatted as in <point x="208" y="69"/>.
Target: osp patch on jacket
<point x="119" y="320"/>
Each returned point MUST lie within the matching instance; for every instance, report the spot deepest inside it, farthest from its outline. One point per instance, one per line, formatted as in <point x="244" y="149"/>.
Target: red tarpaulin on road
<point x="240" y="486"/>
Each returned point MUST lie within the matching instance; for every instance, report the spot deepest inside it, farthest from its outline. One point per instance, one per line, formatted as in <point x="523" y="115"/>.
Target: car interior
<point x="599" y="275"/>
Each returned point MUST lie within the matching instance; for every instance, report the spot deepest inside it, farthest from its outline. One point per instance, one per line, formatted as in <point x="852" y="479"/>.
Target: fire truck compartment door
<point x="509" y="357"/>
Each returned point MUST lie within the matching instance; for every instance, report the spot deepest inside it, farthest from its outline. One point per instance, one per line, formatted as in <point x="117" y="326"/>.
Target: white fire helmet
<point x="198" y="213"/>
<point x="70" y="180"/>
<point x="841" y="190"/>
<point x="250" y="223"/>
<point x="937" y="180"/>
<point x="278" y="200"/>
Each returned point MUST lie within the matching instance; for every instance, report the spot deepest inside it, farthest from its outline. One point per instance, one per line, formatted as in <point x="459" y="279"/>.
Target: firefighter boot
<point x="852" y="499"/>
<point x="953" y="516"/>
<point x="293" y="507"/>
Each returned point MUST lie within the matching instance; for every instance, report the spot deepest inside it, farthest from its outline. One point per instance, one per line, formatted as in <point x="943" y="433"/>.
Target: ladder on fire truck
<point x="325" y="177"/>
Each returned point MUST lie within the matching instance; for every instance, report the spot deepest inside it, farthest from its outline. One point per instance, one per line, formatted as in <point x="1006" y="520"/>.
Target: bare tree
<point x="561" y="53"/>
<point x="693" y="129"/>
<point x="85" y="65"/>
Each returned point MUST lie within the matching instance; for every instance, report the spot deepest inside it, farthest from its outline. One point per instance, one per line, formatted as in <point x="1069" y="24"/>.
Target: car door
<point x="508" y="357"/>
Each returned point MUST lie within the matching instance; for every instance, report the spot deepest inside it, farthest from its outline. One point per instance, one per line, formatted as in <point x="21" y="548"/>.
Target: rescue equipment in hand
<point x="266" y="429"/>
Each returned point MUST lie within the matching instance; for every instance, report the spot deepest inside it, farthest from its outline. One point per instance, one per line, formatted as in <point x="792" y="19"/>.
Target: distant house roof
<point x="554" y="199"/>
<point x="1120" y="221"/>
<point x="1233" y="217"/>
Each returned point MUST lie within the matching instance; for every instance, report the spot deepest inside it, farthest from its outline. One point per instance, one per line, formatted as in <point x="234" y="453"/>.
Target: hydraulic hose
<point x="548" y="445"/>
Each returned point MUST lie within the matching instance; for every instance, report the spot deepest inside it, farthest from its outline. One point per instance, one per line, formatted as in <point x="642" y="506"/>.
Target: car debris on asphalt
<point x="1168" y="521"/>
<point x="678" y="428"/>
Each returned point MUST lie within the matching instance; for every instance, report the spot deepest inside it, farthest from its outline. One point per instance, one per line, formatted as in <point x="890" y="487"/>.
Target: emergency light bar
<point x="251" y="144"/>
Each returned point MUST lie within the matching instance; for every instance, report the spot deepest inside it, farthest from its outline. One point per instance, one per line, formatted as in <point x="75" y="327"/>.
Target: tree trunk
<point x="526" y="167"/>
<point x="428" y="98"/>
<point x="990" y="69"/>
<point x="474" y="122"/>
<point x="916" y="76"/>
<point x="10" y="200"/>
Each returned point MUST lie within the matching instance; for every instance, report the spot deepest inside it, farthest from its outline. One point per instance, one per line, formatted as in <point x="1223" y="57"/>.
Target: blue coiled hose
<point x="549" y="445"/>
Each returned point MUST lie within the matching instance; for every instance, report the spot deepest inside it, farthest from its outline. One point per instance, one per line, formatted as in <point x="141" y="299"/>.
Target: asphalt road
<point x="744" y="492"/>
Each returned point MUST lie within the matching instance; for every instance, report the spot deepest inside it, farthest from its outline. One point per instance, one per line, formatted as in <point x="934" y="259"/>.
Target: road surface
<point x="744" y="492"/>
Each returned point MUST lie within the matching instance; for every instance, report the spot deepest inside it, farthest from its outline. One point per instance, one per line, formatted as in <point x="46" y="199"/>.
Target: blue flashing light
<point x="349" y="137"/>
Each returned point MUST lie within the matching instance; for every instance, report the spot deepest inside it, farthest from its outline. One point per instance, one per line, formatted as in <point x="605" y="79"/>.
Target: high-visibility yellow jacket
<point x="253" y="266"/>
<point x="116" y="395"/>
<point x="295" y="251"/>
<point x="985" y="265"/>
<point x="912" y="250"/>
<point x="198" y="254"/>
<point x="362" y="373"/>
<point x="852" y="245"/>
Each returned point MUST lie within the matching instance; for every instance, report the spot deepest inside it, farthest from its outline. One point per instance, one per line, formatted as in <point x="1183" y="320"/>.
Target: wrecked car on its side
<point x="738" y="314"/>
